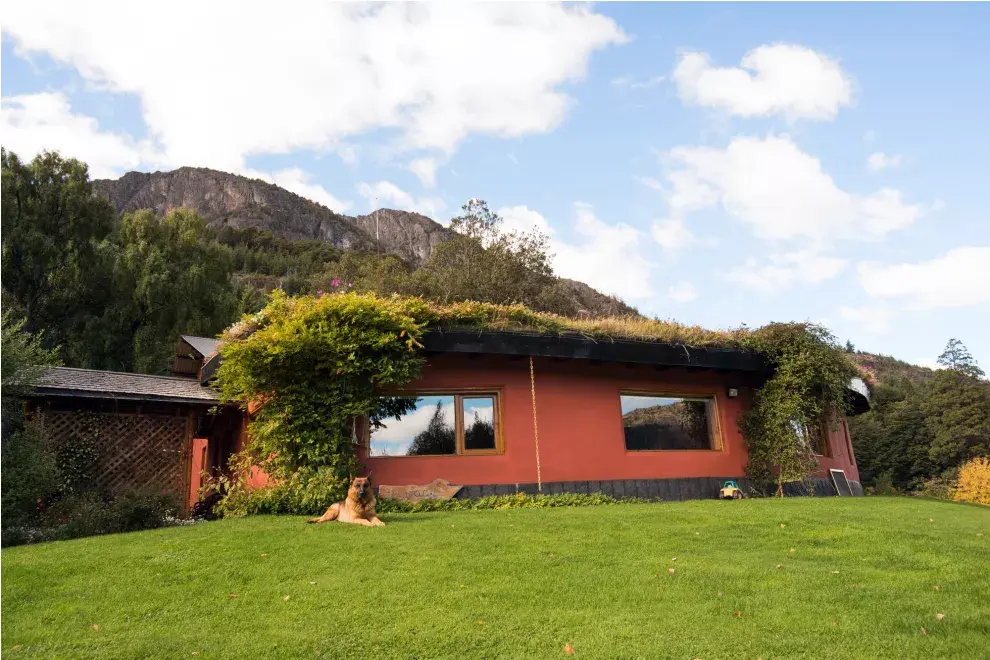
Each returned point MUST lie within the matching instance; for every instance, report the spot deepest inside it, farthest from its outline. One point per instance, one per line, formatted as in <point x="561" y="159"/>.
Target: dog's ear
<point x="350" y="476"/>
<point x="368" y="477"/>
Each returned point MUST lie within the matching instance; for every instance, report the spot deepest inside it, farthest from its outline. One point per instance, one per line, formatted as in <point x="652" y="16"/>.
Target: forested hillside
<point x="924" y="423"/>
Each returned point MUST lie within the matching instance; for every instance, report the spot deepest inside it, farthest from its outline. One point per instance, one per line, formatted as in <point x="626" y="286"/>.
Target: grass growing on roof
<point x="867" y="578"/>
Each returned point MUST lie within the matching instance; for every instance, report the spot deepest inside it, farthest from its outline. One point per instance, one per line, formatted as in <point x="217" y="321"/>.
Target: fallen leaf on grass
<point x="15" y="647"/>
<point x="737" y="614"/>
<point x="938" y="588"/>
<point x="939" y="616"/>
<point x="264" y="554"/>
<point x="923" y="631"/>
<point x="95" y="626"/>
<point x="782" y="525"/>
<point x="550" y="556"/>
<point x="779" y="565"/>
<point x="231" y="595"/>
<point x="931" y="520"/>
<point x="835" y="572"/>
<point x="673" y="559"/>
<point x="568" y="649"/>
<point x="979" y="533"/>
<point x="792" y="550"/>
<point x="312" y="582"/>
<point x="835" y="623"/>
<point x="854" y="586"/>
<point x="480" y="622"/>
<point x="720" y="594"/>
<point x="670" y="570"/>
<point x="285" y="597"/>
<point x="195" y="652"/>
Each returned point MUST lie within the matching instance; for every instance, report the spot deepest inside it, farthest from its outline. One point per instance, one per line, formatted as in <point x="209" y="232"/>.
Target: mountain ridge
<point x="231" y="200"/>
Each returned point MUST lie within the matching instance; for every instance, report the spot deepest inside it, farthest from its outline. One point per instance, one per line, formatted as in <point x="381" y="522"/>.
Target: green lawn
<point x="864" y="578"/>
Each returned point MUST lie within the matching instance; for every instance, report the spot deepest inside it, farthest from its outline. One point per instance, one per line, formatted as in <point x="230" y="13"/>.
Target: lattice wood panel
<point x="136" y="450"/>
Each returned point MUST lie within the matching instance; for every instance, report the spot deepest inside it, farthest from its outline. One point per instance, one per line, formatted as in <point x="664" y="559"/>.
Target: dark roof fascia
<point x="603" y="350"/>
<point x="43" y="392"/>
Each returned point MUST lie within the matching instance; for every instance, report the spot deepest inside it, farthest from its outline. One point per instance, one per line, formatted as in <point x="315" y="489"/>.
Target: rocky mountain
<point x="225" y="199"/>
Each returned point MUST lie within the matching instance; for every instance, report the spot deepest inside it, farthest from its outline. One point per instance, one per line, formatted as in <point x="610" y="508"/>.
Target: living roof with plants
<point x="315" y="364"/>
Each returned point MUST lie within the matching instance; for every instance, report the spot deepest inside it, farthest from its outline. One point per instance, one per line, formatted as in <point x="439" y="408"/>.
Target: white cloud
<point x="347" y="153"/>
<point x="880" y="161"/>
<point x="651" y="183"/>
<point x="608" y="257"/>
<point x="682" y="292"/>
<point x="34" y="122"/>
<point x="628" y="82"/>
<point x="781" y="192"/>
<point x="957" y="279"/>
<point x="426" y="170"/>
<point x="523" y="219"/>
<point x="671" y="234"/>
<point x="786" y="270"/>
<point x="219" y="81"/>
<point x="875" y="320"/>
<point x="786" y="79"/>
<point x="385" y="194"/>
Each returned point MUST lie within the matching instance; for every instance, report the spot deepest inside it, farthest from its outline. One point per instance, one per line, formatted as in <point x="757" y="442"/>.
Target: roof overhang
<point x="859" y="397"/>
<point x="586" y="348"/>
<point x="46" y="392"/>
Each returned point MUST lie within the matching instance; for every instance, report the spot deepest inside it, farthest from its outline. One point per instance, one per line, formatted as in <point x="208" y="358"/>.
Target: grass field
<point x="864" y="578"/>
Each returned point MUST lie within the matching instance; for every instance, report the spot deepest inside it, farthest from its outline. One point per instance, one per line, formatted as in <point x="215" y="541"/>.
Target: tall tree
<point x="170" y="277"/>
<point x="958" y="358"/>
<point x="486" y="262"/>
<point x="52" y="225"/>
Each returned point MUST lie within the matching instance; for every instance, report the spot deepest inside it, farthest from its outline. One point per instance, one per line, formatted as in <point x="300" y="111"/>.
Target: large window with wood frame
<point x="815" y="436"/>
<point x="440" y="424"/>
<point x="654" y="422"/>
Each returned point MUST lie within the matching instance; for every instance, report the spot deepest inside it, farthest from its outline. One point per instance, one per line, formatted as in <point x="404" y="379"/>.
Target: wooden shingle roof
<point x="89" y="383"/>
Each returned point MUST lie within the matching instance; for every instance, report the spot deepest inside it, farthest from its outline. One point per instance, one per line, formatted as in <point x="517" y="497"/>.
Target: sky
<point x="715" y="164"/>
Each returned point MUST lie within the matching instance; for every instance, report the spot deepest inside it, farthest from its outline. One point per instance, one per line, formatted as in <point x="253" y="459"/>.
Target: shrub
<point x="29" y="475"/>
<point x="974" y="482"/>
<point x="939" y="487"/>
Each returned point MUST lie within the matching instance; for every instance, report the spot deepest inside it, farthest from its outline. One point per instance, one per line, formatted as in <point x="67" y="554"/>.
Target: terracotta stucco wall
<point x="580" y="423"/>
<point x="840" y="453"/>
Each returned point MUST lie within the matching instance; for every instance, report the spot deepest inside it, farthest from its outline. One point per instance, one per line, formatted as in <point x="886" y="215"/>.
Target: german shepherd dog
<point x="358" y="508"/>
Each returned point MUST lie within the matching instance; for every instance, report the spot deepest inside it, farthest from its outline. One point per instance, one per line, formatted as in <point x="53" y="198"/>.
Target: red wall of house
<point x="580" y="424"/>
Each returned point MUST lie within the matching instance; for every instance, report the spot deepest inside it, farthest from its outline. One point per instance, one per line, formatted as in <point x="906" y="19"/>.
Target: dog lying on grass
<point x="358" y="508"/>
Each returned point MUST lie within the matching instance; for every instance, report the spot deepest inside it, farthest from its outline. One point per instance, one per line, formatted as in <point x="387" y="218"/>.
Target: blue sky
<point x="714" y="164"/>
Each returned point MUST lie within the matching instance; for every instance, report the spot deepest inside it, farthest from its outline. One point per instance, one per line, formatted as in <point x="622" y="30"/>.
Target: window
<point x="656" y="421"/>
<point x="816" y="437"/>
<point x="440" y="425"/>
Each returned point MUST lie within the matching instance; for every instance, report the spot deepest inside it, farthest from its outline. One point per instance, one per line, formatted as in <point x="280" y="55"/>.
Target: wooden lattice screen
<point x="137" y="451"/>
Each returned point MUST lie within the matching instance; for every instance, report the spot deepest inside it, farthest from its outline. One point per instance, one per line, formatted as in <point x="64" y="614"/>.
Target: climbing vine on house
<point x="311" y="365"/>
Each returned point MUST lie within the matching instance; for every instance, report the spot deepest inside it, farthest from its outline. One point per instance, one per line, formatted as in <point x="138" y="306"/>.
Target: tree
<point x="957" y="412"/>
<point x="28" y="469"/>
<point x="487" y="263"/>
<point x="52" y="224"/>
<point x="958" y="358"/>
<point x="169" y="278"/>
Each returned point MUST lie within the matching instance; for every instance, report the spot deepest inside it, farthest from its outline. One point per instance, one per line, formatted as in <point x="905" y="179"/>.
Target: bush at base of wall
<point x="87" y="514"/>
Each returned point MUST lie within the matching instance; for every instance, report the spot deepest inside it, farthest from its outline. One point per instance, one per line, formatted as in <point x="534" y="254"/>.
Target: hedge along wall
<point x="313" y="364"/>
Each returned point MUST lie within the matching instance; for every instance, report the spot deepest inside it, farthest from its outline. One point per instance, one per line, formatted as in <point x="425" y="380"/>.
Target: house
<point x="493" y="412"/>
<point x="504" y="412"/>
